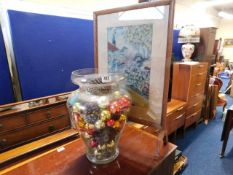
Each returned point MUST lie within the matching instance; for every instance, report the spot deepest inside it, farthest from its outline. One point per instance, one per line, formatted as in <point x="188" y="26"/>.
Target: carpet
<point x="202" y="146"/>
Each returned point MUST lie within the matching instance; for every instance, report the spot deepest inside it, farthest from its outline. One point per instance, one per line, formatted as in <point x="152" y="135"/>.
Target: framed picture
<point x="228" y="42"/>
<point x="137" y="41"/>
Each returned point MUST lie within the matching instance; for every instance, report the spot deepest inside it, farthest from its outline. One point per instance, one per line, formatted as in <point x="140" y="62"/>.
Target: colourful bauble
<point x="86" y="135"/>
<point x="102" y="147"/>
<point x="114" y="107"/>
<point x="105" y="115"/>
<point x="116" y="124"/>
<point x="91" y="132"/>
<point x="91" y="118"/>
<point x="91" y="108"/>
<point x="97" y="154"/>
<point x="124" y="102"/>
<point x="110" y="122"/>
<point x="91" y="126"/>
<point x="117" y="94"/>
<point x="122" y="117"/>
<point x="103" y="102"/>
<point x="99" y="124"/>
<point x="93" y="143"/>
<point x="111" y="144"/>
<point x="81" y="124"/>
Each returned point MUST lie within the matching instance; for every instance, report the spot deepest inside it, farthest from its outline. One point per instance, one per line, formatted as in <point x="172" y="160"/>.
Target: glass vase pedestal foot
<point x="109" y="159"/>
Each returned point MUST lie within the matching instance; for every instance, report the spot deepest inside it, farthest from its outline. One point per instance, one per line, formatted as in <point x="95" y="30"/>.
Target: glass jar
<point x="98" y="110"/>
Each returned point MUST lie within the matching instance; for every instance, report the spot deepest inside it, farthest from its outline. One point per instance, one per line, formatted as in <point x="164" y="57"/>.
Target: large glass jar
<point x="98" y="110"/>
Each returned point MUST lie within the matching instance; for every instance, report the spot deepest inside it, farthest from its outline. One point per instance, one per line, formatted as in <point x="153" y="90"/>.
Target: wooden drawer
<point x="12" y="122"/>
<point x="195" y="99"/>
<point x="174" y="123"/>
<point x="197" y="88"/>
<point x="198" y="78"/>
<point x="189" y="120"/>
<point x="195" y="107"/>
<point x="199" y="68"/>
<point x="44" y="114"/>
<point x="175" y="119"/>
<point x="33" y="132"/>
<point x="173" y="114"/>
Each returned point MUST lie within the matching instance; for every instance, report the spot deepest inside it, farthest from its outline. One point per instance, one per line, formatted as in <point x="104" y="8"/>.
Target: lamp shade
<point x="189" y="34"/>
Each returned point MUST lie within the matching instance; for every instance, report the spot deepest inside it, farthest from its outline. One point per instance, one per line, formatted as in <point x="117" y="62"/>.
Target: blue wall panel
<point x="47" y="48"/>
<point x="176" y="51"/>
<point x="6" y="89"/>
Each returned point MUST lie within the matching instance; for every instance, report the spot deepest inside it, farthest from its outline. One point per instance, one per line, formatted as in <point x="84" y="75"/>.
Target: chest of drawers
<point x="189" y="80"/>
<point x="22" y="126"/>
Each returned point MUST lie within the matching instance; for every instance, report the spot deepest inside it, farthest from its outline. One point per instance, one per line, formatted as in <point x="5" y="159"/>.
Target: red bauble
<point x="90" y="131"/>
<point x="110" y="122"/>
<point x="115" y="107"/>
<point x="93" y="143"/>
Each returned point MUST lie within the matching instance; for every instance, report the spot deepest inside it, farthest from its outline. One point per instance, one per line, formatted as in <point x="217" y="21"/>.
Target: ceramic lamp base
<point x="187" y="51"/>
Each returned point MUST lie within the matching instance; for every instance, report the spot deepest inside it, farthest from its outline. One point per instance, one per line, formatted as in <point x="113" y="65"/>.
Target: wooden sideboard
<point x="139" y="155"/>
<point x="189" y="80"/>
<point x="18" y="127"/>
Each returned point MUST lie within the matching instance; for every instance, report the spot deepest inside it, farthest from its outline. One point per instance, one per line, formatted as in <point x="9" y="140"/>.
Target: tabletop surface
<point x="139" y="154"/>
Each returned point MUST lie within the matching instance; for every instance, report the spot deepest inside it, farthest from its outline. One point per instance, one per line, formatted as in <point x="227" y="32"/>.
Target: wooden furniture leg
<point x="224" y="145"/>
<point x="228" y="124"/>
<point x="183" y="133"/>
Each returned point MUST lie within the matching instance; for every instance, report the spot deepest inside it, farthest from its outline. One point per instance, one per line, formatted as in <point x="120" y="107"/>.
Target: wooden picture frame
<point x="160" y="54"/>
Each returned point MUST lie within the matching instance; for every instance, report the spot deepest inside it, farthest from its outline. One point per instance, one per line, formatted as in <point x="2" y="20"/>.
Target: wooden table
<point x="137" y="157"/>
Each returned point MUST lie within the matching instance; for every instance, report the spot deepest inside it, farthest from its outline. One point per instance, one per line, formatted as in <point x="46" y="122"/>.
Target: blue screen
<point x="176" y="50"/>
<point x="6" y="89"/>
<point x="47" y="48"/>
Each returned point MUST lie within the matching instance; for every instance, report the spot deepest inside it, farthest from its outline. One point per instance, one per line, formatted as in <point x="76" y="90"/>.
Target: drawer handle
<point x="195" y="114"/>
<point x="170" y="114"/>
<point x="48" y="115"/>
<point x="51" y="128"/>
<point x="196" y="95"/>
<point x="177" y="118"/>
<point x="180" y="108"/>
<point x="199" y="84"/>
<point x="199" y="74"/>
<point x="3" y="142"/>
<point x="195" y="105"/>
<point x="201" y="65"/>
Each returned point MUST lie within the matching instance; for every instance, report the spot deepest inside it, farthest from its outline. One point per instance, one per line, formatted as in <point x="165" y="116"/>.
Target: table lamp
<point x="188" y="35"/>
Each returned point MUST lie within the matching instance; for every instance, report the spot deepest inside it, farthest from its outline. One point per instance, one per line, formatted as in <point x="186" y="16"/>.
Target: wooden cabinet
<point x="189" y="80"/>
<point x="175" y="115"/>
<point x="205" y="49"/>
<point x="17" y="128"/>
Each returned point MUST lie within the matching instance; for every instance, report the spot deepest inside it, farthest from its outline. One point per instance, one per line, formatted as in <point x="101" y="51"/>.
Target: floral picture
<point x="129" y="51"/>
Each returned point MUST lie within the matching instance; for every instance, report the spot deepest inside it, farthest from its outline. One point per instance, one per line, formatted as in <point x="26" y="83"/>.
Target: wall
<point x="225" y="31"/>
<point x="190" y="12"/>
<point x="186" y="11"/>
<point x="87" y="6"/>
